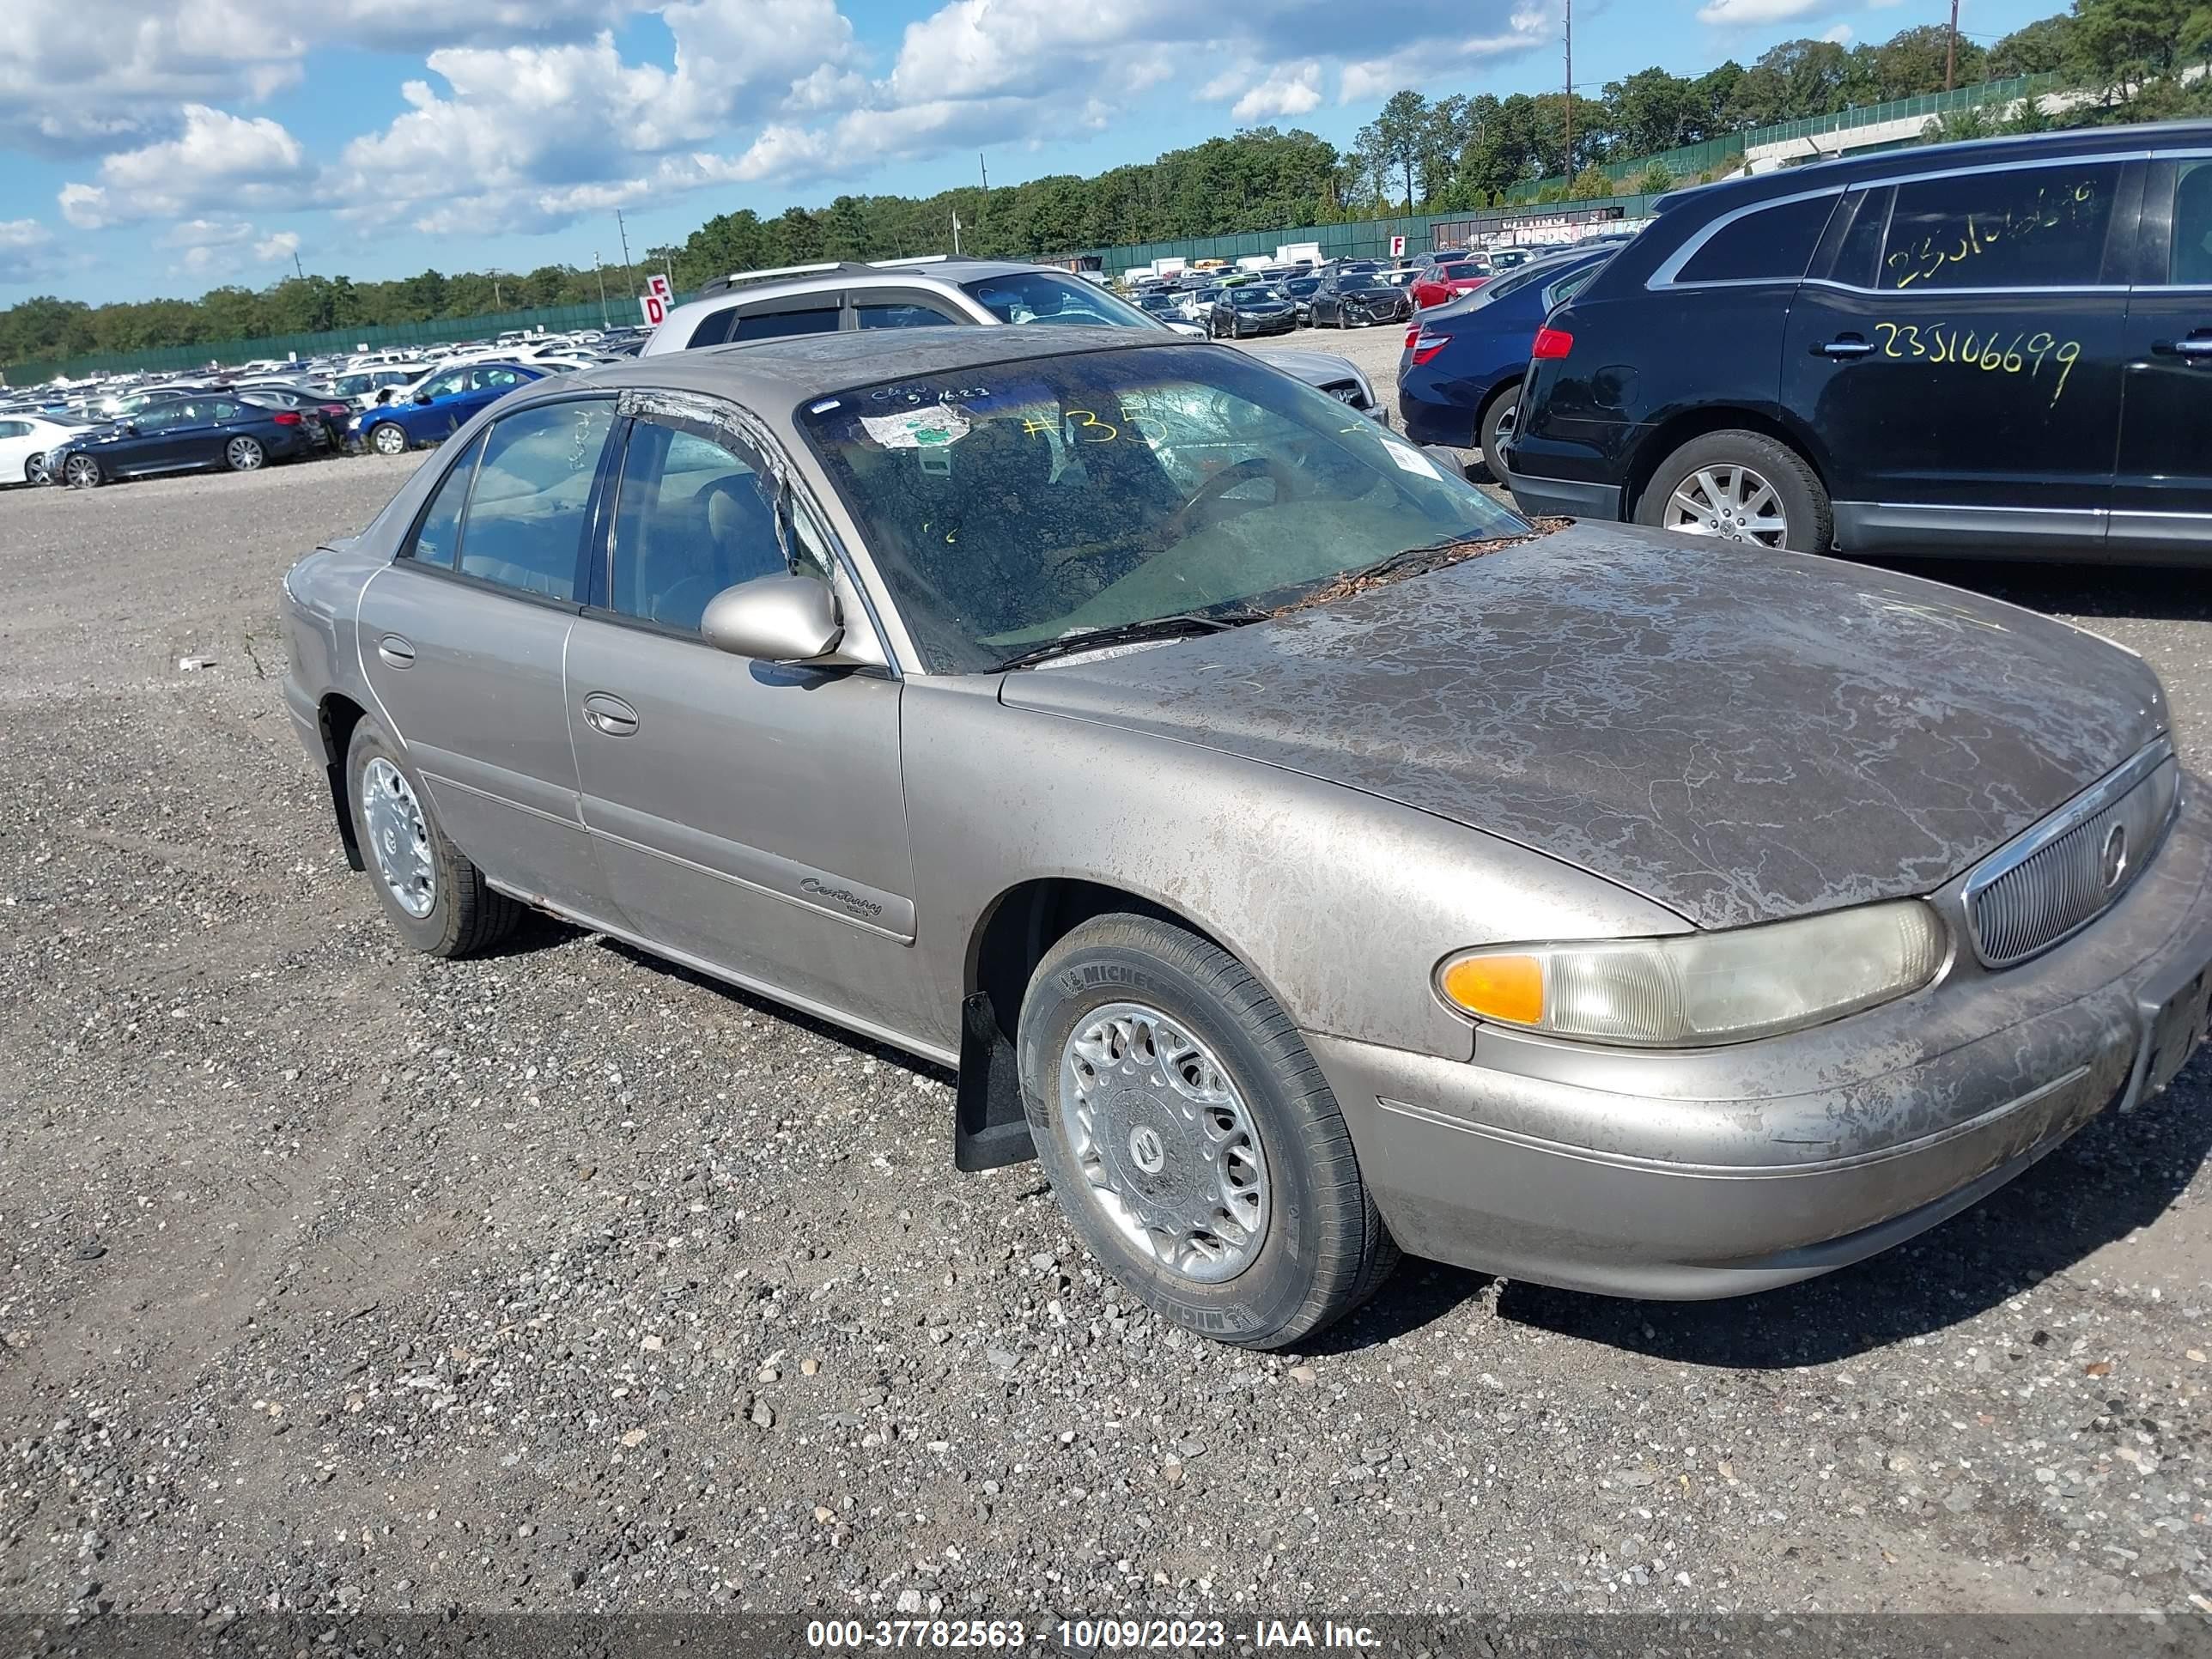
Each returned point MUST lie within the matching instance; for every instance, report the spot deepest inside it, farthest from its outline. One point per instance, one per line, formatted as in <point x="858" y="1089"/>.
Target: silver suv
<point x="931" y="291"/>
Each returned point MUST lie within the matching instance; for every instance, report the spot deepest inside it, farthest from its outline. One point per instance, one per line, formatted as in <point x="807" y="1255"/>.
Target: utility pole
<point x="956" y="232"/>
<point x="629" y="274"/>
<point x="983" y="207"/>
<point x="1951" y="48"/>
<point x="1571" y="91"/>
<point x="297" y="269"/>
<point x="605" y="321"/>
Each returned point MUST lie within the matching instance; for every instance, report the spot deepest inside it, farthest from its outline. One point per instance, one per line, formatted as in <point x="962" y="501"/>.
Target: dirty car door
<point x="749" y="815"/>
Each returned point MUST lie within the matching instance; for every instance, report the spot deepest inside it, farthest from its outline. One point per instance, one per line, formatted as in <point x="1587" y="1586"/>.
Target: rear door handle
<point x="398" y="652"/>
<point x="609" y="716"/>
<point x="1843" y="345"/>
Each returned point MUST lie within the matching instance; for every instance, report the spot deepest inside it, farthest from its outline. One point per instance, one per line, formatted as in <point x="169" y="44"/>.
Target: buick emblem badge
<point x="2115" y="860"/>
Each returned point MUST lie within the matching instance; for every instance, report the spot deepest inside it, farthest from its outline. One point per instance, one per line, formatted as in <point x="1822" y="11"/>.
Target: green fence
<point x="1692" y="160"/>
<point x="443" y="331"/>
<point x="1362" y="239"/>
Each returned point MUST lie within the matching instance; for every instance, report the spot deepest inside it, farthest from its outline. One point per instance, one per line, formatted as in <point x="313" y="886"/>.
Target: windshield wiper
<point x="1130" y="633"/>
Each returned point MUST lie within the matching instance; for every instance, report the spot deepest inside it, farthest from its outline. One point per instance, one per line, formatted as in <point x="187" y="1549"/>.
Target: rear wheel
<point x="34" y="470"/>
<point x="243" y="454"/>
<point x="1496" y="419"/>
<point x="1191" y="1138"/>
<point x="1739" y="487"/>
<point x="439" y="901"/>
<point x="388" y="438"/>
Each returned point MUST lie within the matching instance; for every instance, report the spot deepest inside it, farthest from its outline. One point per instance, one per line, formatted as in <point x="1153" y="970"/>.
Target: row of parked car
<point x="266" y="411"/>
<point x="1338" y="293"/>
<point x="2001" y="349"/>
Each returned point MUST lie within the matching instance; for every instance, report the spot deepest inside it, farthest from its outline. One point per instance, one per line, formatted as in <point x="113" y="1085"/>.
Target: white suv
<point x="935" y="291"/>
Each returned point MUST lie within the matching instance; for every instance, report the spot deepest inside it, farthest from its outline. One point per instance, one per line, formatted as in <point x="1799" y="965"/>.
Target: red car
<point x="1448" y="282"/>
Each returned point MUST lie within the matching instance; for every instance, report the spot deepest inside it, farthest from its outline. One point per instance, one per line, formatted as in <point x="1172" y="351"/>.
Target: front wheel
<point x="81" y="472"/>
<point x="387" y="438"/>
<point x="243" y="455"/>
<point x="439" y="901"/>
<point x="1739" y="487"/>
<point x="1191" y="1140"/>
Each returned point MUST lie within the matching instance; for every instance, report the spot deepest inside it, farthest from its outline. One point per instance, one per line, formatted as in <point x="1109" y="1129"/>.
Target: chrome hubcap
<point x="1167" y="1149"/>
<point x="245" y="454"/>
<point x="389" y="440"/>
<point x="398" y="837"/>
<point x="1732" y="504"/>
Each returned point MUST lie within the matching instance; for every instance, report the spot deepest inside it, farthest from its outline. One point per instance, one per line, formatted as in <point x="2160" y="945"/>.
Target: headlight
<point x="1692" y="990"/>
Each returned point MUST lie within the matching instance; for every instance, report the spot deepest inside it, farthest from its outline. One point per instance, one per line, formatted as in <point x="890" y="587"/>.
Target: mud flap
<point x="991" y="1128"/>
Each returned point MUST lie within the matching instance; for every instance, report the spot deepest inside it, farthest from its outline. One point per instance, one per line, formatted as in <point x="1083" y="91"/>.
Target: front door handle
<point x="1843" y="345"/>
<point x="609" y="716"/>
<point x="2197" y="348"/>
<point x="396" y="651"/>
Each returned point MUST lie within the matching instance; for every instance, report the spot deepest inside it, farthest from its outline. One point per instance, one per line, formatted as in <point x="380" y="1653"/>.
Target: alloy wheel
<point x="81" y="471"/>
<point x="398" y="837"/>
<point x="34" y="470"/>
<point x="1731" y="503"/>
<point x="1168" y="1149"/>
<point x="388" y="440"/>
<point x="243" y="454"/>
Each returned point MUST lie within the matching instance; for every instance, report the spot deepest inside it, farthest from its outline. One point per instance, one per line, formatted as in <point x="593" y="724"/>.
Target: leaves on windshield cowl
<point x="1357" y="582"/>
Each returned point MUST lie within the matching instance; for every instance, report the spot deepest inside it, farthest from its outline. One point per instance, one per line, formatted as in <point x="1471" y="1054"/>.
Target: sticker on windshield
<point x="1410" y="459"/>
<point x="928" y="427"/>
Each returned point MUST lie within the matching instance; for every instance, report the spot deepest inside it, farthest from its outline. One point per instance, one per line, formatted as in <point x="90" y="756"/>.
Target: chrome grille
<point x="2063" y="874"/>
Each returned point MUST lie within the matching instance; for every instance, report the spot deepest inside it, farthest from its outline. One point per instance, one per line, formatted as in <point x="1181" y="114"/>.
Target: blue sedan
<point x="446" y="402"/>
<point x="1459" y="373"/>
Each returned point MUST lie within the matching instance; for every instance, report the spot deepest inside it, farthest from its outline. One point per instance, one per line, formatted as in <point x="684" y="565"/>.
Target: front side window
<point x="448" y="385"/>
<point x="695" y="515"/>
<point x="438" y="537"/>
<point x="1774" y="244"/>
<point x="525" y="523"/>
<point x="2191" y="263"/>
<point x="1047" y="296"/>
<point x="1014" y="505"/>
<point x="898" y="314"/>
<point x="2013" y="227"/>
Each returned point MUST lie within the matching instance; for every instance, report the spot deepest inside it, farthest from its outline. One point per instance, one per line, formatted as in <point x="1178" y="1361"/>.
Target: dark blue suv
<point x="1459" y="373"/>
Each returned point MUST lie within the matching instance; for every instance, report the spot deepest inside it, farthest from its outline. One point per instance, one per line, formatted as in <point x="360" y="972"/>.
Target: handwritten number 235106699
<point x="2025" y="355"/>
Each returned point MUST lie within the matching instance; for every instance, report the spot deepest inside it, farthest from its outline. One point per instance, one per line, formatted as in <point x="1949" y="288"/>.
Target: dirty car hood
<point x="1739" y="735"/>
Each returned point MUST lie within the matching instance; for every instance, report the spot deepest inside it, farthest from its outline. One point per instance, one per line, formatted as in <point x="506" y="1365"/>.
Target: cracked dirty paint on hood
<point x="1740" y="735"/>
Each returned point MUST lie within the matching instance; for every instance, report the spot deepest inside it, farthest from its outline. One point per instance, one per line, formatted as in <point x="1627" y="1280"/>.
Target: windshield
<point x="1355" y="282"/>
<point x="1015" y="504"/>
<point x="1046" y="296"/>
<point x="1251" y="296"/>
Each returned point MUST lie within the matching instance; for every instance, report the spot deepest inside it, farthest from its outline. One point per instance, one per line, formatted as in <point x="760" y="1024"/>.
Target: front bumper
<point x="1734" y="1170"/>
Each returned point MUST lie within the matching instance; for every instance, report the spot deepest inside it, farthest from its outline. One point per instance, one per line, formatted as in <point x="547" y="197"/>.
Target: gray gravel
<point x="337" y="1278"/>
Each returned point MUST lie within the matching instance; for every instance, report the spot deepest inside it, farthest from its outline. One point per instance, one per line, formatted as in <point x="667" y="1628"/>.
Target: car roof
<point x="1843" y="171"/>
<point x="772" y="376"/>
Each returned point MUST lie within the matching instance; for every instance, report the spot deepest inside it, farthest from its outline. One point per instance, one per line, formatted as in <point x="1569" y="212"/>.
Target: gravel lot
<point x="339" y="1279"/>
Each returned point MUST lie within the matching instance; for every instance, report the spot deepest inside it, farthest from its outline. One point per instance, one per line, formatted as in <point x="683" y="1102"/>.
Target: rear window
<point x="1772" y="245"/>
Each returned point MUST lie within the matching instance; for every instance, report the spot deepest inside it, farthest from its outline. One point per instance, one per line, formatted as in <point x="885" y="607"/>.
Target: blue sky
<point x="159" y="147"/>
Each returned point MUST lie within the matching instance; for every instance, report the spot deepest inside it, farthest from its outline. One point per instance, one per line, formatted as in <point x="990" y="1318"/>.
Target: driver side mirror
<point x="131" y="429"/>
<point x="421" y="397"/>
<point x="782" y="619"/>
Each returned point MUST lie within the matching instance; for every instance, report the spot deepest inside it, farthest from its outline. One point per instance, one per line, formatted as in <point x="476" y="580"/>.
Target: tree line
<point x="2132" y="58"/>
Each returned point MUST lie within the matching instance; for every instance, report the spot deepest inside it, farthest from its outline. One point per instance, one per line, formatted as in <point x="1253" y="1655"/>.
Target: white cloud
<point x="211" y="247"/>
<point x="1752" y="14"/>
<point x="1841" y="35"/>
<point x="1288" y="90"/>
<point x="25" y="245"/>
<point x="282" y="245"/>
<point x="218" y="159"/>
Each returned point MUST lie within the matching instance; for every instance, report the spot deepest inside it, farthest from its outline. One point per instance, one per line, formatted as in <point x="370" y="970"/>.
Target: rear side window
<point x="2191" y="261"/>
<point x="782" y="324"/>
<point x="2019" y="228"/>
<point x="1772" y="245"/>
<point x="438" y="538"/>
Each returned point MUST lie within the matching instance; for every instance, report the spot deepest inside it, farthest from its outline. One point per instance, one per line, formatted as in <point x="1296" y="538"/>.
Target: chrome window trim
<point x="1671" y="267"/>
<point x="1955" y="293"/>
<point x="2112" y="787"/>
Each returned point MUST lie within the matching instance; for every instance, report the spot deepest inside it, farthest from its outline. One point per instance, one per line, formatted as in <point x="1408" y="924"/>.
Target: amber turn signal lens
<point x="1498" y="987"/>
